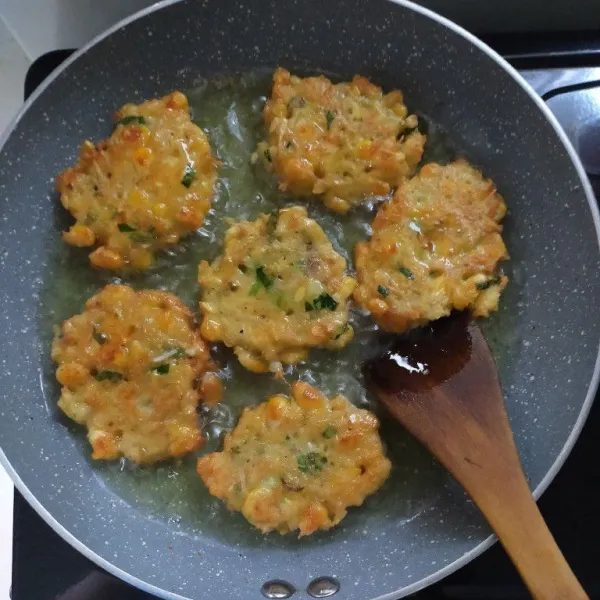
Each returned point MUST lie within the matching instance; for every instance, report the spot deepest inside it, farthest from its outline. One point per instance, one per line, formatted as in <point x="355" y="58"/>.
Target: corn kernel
<point x="412" y="121"/>
<point x="177" y="100"/>
<point x="142" y="155"/>
<point x="160" y="209"/>
<point x="348" y="474"/>
<point x="365" y="148"/>
<point x="307" y="396"/>
<point x="79" y="235"/>
<point x="377" y="306"/>
<point x="88" y="151"/>
<point x="391" y="99"/>
<point x="280" y="110"/>
<point x="163" y="320"/>
<point x="104" y="258"/>
<point x="336" y="204"/>
<point x="103" y="445"/>
<point x="300" y="294"/>
<point x="319" y="333"/>
<point x="136" y="199"/>
<point x="71" y="374"/>
<point x="211" y="329"/>
<point x="256" y="504"/>
<point x="400" y="110"/>
<point x="276" y="407"/>
<point x="252" y="362"/>
<point x="190" y="217"/>
<point x="347" y="287"/>
<point x="314" y="518"/>
<point x="137" y="352"/>
<point x="291" y="357"/>
<point x="381" y="188"/>
<point x="121" y="357"/>
<point x="200" y="145"/>
<point x="185" y="439"/>
<point x="211" y="389"/>
<point x="349" y="440"/>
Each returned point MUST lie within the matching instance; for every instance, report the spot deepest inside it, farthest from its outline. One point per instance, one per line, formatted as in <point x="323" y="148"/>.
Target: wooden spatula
<point x="442" y="385"/>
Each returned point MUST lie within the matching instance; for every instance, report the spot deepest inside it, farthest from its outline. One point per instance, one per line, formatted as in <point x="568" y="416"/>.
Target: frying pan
<point x="549" y="362"/>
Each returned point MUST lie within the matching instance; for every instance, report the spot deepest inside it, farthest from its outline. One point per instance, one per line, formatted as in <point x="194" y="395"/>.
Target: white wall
<point x="43" y="25"/>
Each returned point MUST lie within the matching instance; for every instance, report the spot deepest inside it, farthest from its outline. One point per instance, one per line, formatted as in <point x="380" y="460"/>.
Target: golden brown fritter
<point x="130" y="366"/>
<point x="435" y="247"/>
<point x="344" y="143"/>
<point x="299" y="462"/>
<point x="148" y="185"/>
<point x="278" y="289"/>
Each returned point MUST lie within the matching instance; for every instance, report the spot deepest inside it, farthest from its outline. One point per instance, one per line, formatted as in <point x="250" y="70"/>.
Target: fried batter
<point x="345" y="142"/>
<point x="148" y="185"/>
<point x="278" y="289"/>
<point x="435" y="247"/>
<point x="130" y="366"/>
<point x="298" y="463"/>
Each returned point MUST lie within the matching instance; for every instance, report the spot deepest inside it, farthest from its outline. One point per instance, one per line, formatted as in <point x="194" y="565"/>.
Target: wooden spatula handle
<point x="482" y="456"/>
<point x="512" y="512"/>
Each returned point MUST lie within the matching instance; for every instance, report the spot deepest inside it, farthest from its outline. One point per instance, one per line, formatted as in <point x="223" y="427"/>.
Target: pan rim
<point x="592" y="388"/>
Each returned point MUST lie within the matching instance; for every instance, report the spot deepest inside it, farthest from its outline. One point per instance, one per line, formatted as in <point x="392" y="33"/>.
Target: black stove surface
<point x="46" y="568"/>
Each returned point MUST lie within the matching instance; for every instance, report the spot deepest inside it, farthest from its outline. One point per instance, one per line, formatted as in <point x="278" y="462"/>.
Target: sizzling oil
<point x="230" y="111"/>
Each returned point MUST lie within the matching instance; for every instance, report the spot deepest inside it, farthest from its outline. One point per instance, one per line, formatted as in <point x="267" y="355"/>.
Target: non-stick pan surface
<point x="550" y="332"/>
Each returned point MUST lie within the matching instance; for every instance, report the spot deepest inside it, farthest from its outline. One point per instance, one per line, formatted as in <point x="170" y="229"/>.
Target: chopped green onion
<point x="383" y="290"/>
<point x="311" y="462"/>
<point x="141" y="237"/>
<point x="484" y="285"/>
<point x="189" y="174"/>
<point x="329" y="117"/>
<point x="178" y="353"/>
<point x="406" y="272"/>
<point x="263" y="278"/>
<point x="324" y="301"/>
<point x="161" y="369"/>
<point x="125" y="228"/>
<point x="308" y="306"/>
<point x="108" y="376"/>
<point x="268" y="156"/>
<point x="329" y="432"/>
<point x="131" y="119"/>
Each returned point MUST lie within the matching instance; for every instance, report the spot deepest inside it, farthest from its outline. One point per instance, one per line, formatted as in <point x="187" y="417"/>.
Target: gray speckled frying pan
<point x="549" y="369"/>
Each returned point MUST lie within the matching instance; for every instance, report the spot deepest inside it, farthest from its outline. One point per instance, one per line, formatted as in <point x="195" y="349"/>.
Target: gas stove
<point x="566" y="72"/>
